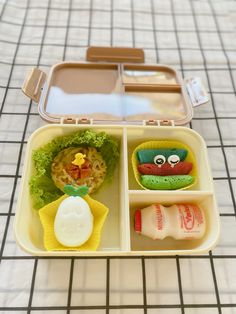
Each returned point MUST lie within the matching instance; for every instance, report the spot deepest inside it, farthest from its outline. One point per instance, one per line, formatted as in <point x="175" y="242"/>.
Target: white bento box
<point x="95" y="94"/>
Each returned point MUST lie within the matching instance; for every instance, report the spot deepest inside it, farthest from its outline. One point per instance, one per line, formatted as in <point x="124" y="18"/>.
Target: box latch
<point x="115" y="54"/>
<point x="159" y="122"/>
<point x="33" y="84"/>
<point x="196" y="91"/>
<point x="69" y="120"/>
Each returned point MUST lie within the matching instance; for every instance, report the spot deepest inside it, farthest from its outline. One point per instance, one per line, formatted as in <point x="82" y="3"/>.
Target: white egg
<point x="73" y="223"/>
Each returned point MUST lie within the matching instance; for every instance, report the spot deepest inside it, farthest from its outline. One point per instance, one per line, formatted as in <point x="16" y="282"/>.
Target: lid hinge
<point x="69" y="120"/>
<point x="159" y="122"/>
<point x="33" y="84"/>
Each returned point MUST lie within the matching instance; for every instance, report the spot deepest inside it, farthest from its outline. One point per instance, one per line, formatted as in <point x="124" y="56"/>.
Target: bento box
<point x="117" y="93"/>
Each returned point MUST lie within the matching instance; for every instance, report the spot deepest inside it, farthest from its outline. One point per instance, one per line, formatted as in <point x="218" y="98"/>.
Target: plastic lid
<point x="110" y="92"/>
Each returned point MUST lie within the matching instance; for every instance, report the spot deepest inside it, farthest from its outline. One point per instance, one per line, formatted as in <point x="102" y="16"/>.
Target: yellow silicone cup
<point x="47" y="216"/>
<point x="164" y="144"/>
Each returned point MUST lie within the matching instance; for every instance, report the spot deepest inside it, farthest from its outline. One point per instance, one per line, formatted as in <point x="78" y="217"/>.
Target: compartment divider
<point x="124" y="193"/>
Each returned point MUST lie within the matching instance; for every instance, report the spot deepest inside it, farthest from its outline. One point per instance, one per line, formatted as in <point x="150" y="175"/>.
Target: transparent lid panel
<point x="133" y="106"/>
<point x="148" y="77"/>
<point x="110" y="92"/>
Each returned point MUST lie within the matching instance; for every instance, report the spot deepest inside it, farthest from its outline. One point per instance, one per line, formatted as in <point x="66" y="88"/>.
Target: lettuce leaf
<point x="42" y="187"/>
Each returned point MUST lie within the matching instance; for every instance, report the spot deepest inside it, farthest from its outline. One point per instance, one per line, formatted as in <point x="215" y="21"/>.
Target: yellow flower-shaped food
<point x="79" y="159"/>
<point x="47" y="216"/>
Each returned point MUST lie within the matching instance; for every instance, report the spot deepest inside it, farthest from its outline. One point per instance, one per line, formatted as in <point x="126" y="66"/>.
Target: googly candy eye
<point x="159" y="160"/>
<point x="173" y="160"/>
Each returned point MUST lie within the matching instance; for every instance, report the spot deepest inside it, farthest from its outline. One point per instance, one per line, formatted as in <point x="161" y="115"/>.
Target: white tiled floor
<point x="126" y="282"/>
<point x="162" y="282"/>
<point x="89" y="283"/>
<point x="51" y="283"/>
<point x="197" y="281"/>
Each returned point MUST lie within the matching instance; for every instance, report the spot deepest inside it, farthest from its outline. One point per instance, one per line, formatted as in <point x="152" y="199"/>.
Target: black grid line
<point x="44" y="21"/>
<point x="107" y="284"/>
<point x="154" y="30"/>
<point x="144" y="285"/>
<point x="21" y="146"/>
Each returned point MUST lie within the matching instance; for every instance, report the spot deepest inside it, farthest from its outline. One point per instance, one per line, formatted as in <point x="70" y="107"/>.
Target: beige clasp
<point x="33" y="84"/>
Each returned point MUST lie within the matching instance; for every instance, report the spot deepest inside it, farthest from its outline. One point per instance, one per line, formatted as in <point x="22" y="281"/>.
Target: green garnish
<point x="72" y="191"/>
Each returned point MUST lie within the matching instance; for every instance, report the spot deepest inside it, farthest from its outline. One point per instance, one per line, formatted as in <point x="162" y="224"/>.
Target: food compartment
<point x="148" y="75"/>
<point x="82" y="89"/>
<point x="156" y="102"/>
<point x="28" y="228"/>
<point x="137" y="136"/>
<point x="145" y="245"/>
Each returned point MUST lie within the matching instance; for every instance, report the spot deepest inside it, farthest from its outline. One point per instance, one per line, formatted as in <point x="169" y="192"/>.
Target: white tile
<point x="228" y="131"/>
<point x="144" y="39"/>
<point x="89" y="282"/>
<point x="231" y="160"/>
<point x="18" y="75"/>
<point x="170" y="57"/>
<point x="126" y="311"/>
<point x="51" y="55"/>
<point x="11" y="127"/>
<point x="209" y="42"/>
<point x="94" y="311"/>
<point x="10" y="31"/>
<point x="126" y="282"/>
<point x="217" y="162"/>
<point x="78" y="36"/>
<point x="188" y="40"/>
<point x="164" y="22"/>
<point x="80" y="18"/>
<point x="228" y="310"/>
<point x="197" y="281"/>
<point x="101" y="19"/>
<point x="55" y="36"/>
<point x="36" y="17"/>
<point x="100" y="37"/>
<point x="201" y="311"/>
<point x="223" y="196"/>
<point x="9" y="154"/>
<point x="143" y="21"/>
<point x="184" y="22"/>
<point x="122" y="38"/>
<point x="51" y="312"/>
<point x="164" y="311"/>
<point x="11" y="248"/>
<point x="162" y="281"/>
<point x="226" y="279"/>
<point x="15" y="283"/>
<point x="208" y="130"/>
<point x="122" y="19"/>
<point x="58" y="17"/>
<point x="227" y="241"/>
<point x="206" y="110"/>
<point x="166" y="41"/>
<point x="101" y="4"/>
<point x="6" y="186"/>
<point x="28" y="35"/>
<point x="34" y="123"/>
<point x="220" y="80"/>
<point x="51" y="283"/>
<point x="28" y="56"/>
<point x="3" y="220"/>
<point x="16" y="101"/>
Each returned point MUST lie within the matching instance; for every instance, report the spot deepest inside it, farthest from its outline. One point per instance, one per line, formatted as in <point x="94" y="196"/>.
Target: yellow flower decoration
<point x="47" y="216"/>
<point x="79" y="159"/>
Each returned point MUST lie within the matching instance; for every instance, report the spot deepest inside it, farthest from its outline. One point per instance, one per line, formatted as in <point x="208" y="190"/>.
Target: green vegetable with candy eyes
<point x="148" y="155"/>
<point x="153" y="182"/>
